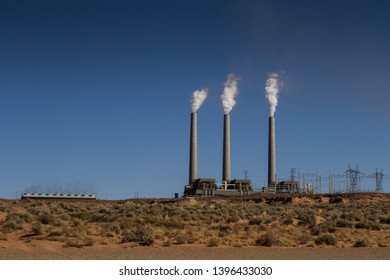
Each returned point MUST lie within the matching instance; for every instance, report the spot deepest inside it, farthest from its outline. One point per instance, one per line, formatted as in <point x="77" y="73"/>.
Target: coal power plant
<point x="308" y="183"/>
<point x="208" y="186"/>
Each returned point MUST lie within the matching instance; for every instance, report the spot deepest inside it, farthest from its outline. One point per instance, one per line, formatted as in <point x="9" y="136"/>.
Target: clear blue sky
<point x="96" y="94"/>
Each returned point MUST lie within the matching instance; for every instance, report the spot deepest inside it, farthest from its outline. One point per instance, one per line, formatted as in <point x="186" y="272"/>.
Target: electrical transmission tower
<point x="292" y="174"/>
<point x="378" y="181"/>
<point x="353" y="179"/>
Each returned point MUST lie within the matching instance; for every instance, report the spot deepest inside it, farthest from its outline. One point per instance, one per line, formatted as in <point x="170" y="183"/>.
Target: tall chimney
<point x="193" y="149"/>
<point x="226" y="148"/>
<point x="271" y="154"/>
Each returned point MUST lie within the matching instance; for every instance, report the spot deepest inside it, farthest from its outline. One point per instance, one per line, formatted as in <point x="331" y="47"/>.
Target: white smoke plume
<point x="230" y="92"/>
<point x="197" y="99"/>
<point x="272" y="87"/>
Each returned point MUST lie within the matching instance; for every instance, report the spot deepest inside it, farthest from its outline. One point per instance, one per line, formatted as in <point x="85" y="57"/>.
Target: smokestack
<point x="228" y="96"/>
<point x="197" y="99"/>
<point x="272" y="87"/>
<point x="271" y="153"/>
<point x="193" y="149"/>
<point x="226" y="148"/>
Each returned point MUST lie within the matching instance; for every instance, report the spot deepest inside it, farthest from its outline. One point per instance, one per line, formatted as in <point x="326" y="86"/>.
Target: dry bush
<point x="212" y="242"/>
<point x="74" y="242"/>
<point x="326" y="239"/>
<point x="167" y="243"/>
<point x="37" y="228"/>
<point x="13" y="222"/>
<point x="306" y="218"/>
<point x="3" y="207"/>
<point x="368" y="225"/>
<point x="343" y="223"/>
<point x="255" y="221"/>
<point x="361" y="243"/>
<point x="384" y="219"/>
<point x="181" y="237"/>
<point x="269" y="239"/>
<point x="304" y="238"/>
<point x="143" y="235"/>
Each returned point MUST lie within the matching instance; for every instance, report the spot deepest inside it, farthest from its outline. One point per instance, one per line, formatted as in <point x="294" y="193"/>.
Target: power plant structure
<point x="193" y="149"/>
<point x="271" y="155"/>
<point x="308" y="183"/>
<point x="226" y="149"/>
<point x="58" y="196"/>
<point x="208" y="186"/>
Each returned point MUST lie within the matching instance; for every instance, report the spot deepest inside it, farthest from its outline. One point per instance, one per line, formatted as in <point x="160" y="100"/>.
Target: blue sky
<point x="96" y="94"/>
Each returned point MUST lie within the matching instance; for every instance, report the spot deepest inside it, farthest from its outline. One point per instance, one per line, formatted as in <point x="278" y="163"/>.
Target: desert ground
<point x="337" y="226"/>
<point x="190" y="252"/>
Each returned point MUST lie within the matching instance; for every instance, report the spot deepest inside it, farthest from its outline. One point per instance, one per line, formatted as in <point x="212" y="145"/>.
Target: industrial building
<point x="58" y="196"/>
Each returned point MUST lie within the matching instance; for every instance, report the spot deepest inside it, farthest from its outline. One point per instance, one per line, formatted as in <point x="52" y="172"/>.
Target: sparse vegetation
<point x="207" y="222"/>
<point x="326" y="239"/>
<point x="268" y="239"/>
<point x="361" y="243"/>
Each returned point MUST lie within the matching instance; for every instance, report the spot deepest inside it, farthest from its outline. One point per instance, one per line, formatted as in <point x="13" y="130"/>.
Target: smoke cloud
<point x="272" y="87"/>
<point x="229" y="93"/>
<point x="197" y="99"/>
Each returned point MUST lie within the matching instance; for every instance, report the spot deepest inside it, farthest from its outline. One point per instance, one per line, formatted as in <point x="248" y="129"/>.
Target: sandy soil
<point x="185" y="252"/>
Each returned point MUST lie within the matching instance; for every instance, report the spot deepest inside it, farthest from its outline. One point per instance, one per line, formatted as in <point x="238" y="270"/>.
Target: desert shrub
<point x="143" y="235"/>
<point x="167" y="243"/>
<point x="54" y="233"/>
<point x="343" y="223"/>
<point x="269" y="239"/>
<point x="35" y="210"/>
<point x="316" y="230"/>
<point x="45" y="218"/>
<point x="351" y="216"/>
<point x="3" y="207"/>
<point x="26" y="218"/>
<point x="14" y="221"/>
<point x="181" y="238"/>
<point x="304" y="238"/>
<point x="76" y="222"/>
<point x="74" y="242"/>
<point x="101" y="218"/>
<point x="288" y="220"/>
<point x="306" y="219"/>
<point x="233" y="219"/>
<point x="384" y="219"/>
<point x="88" y="241"/>
<point x="269" y="220"/>
<point x="65" y="217"/>
<point x="375" y="226"/>
<point x="171" y="224"/>
<point x="212" y="242"/>
<point x="361" y="243"/>
<point x="83" y="215"/>
<point x="368" y="225"/>
<point x="255" y="221"/>
<point x="225" y="229"/>
<point x="372" y="217"/>
<point x="11" y="225"/>
<point x="326" y="239"/>
<point x="37" y="228"/>
<point x="327" y="227"/>
<point x="113" y="227"/>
